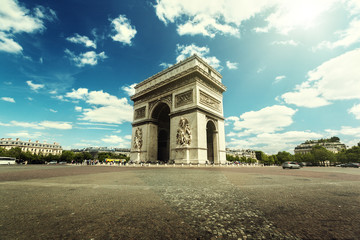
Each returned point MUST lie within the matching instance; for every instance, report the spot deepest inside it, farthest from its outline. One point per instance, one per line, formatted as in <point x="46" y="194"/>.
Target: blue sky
<point x="292" y="68"/>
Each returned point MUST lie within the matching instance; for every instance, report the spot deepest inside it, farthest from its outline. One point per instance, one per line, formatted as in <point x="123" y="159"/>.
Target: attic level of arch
<point x="180" y="103"/>
<point x="193" y="75"/>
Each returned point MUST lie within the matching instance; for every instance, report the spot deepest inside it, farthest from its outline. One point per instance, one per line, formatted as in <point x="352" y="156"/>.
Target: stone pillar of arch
<point x="178" y="116"/>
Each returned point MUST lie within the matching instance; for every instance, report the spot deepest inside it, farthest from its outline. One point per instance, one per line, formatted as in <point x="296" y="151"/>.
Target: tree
<point x="284" y="157"/>
<point x="14" y="152"/>
<point x="67" y="156"/>
<point x="262" y="157"/>
<point x="322" y="155"/>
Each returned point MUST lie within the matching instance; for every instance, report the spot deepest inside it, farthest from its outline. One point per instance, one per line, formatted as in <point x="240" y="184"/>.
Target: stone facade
<point x="334" y="147"/>
<point x="179" y="114"/>
<point x="248" y="153"/>
<point x="33" y="147"/>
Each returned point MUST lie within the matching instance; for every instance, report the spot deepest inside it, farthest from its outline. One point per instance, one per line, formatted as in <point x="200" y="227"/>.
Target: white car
<point x="291" y="165"/>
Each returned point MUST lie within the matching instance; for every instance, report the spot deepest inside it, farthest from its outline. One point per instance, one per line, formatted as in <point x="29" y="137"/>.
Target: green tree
<point x="262" y="157"/>
<point x="284" y="157"/>
<point x="67" y="156"/>
<point x="322" y="155"/>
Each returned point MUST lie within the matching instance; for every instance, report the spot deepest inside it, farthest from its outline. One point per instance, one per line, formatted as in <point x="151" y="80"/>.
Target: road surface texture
<point x="117" y="202"/>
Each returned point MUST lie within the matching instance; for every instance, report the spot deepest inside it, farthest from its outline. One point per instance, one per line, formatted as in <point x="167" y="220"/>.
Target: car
<point x="291" y="165"/>
<point x="354" y="165"/>
<point x="52" y="162"/>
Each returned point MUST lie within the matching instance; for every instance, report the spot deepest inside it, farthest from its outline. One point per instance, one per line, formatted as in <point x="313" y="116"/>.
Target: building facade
<point x="334" y="147"/>
<point x="248" y="153"/>
<point x="178" y="115"/>
<point x="33" y="147"/>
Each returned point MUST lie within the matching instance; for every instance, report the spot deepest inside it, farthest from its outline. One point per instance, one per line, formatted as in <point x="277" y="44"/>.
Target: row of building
<point x="33" y="147"/>
<point x="55" y="148"/>
<point x="247" y="153"/>
<point x="306" y="147"/>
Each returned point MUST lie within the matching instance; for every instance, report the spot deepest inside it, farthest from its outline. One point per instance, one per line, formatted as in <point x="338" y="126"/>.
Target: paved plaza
<point x="117" y="202"/>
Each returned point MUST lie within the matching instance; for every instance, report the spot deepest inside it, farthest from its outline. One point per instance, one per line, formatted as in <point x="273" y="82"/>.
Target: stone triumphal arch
<point x="178" y="115"/>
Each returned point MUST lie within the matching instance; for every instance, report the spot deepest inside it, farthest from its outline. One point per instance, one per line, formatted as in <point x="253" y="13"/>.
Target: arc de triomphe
<point x="178" y="115"/>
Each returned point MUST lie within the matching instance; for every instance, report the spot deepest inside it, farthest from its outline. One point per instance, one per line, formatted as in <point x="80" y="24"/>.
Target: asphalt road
<point x="112" y="202"/>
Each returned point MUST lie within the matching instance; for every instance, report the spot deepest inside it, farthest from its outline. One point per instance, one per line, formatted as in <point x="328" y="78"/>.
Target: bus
<point x="7" y="160"/>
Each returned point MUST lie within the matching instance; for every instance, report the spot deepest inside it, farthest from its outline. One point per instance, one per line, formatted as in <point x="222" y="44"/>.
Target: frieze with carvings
<point x="210" y="102"/>
<point x="167" y="99"/>
<point x="140" y="113"/>
<point x="184" y="98"/>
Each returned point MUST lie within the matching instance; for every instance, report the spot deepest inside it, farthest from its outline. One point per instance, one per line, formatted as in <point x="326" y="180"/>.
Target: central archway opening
<point x="210" y="130"/>
<point x="161" y="114"/>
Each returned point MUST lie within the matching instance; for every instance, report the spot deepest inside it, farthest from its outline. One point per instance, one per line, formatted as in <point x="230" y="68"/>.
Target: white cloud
<point x="105" y="108"/>
<point x="42" y="125"/>
<point x="88" y="58"/>
<point x="271" y="143"/>
<point x="231" y="65"/>
<point x="288" y="42"/>
<point x="123" y="30"/>
<point x="211" y="17"/>
<point x="52" y="110"/>
<point x="116" y="141"/>
<point x="130" y="90"/>
<point x="347" y="37"/>
<point x="279" y="78"/>
<point x="34" y="86"/>
<point x="165" y="65"/>
<point x="335" y="79"/>
<point x="185" y="51"/>
<point x="82" y="40"/>
<point x="15" y="18"/>
<point x="266" y="120"/>
<point x="7" y="44"/>
<point x="80" y="93"/>
<point x="78" y="109"/>
<point x="355" y="110"/>
<point x="30" y="99"/>
<point x="8" y="99"/>
<point x="61" y="98"/>
<point x="345" y="130"/>
<point x="25" y="134"/>
<point x="56" y="125"/>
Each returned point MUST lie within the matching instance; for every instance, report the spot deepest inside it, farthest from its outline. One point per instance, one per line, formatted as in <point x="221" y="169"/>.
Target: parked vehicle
<point x="354" y="165"/>
<point x="52" y="162"/>
<point x="291" y="165"/>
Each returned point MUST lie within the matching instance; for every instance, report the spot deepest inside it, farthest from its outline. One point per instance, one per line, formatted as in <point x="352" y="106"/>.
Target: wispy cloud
<point x="16" y="19"/>
<point x="84" y="40"/>
<point x="287" y="42"/>
<point x="347" y="37"/>
<point x="88" y="58"/>
<point x="130" y="90"/>
<point x="34" y="86"/>
<point x="326" y="82"/>
<point x="355" y="110"/>
<point x="185" y="51"/>
<point x="231" y="65"/>
<point x="105" y="108"/>
<point x="40" y="125"/>
<point x="279" y="78"/>
<point x="8" y="99"/>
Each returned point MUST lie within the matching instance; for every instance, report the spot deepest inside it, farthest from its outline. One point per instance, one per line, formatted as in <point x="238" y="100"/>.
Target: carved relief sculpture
<point x="184" y="98"/>
<point x="138" y="139"/>
<point x="140" y="113"/>
<point x="183" y="136"/>
<point x="210" y="102"/>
